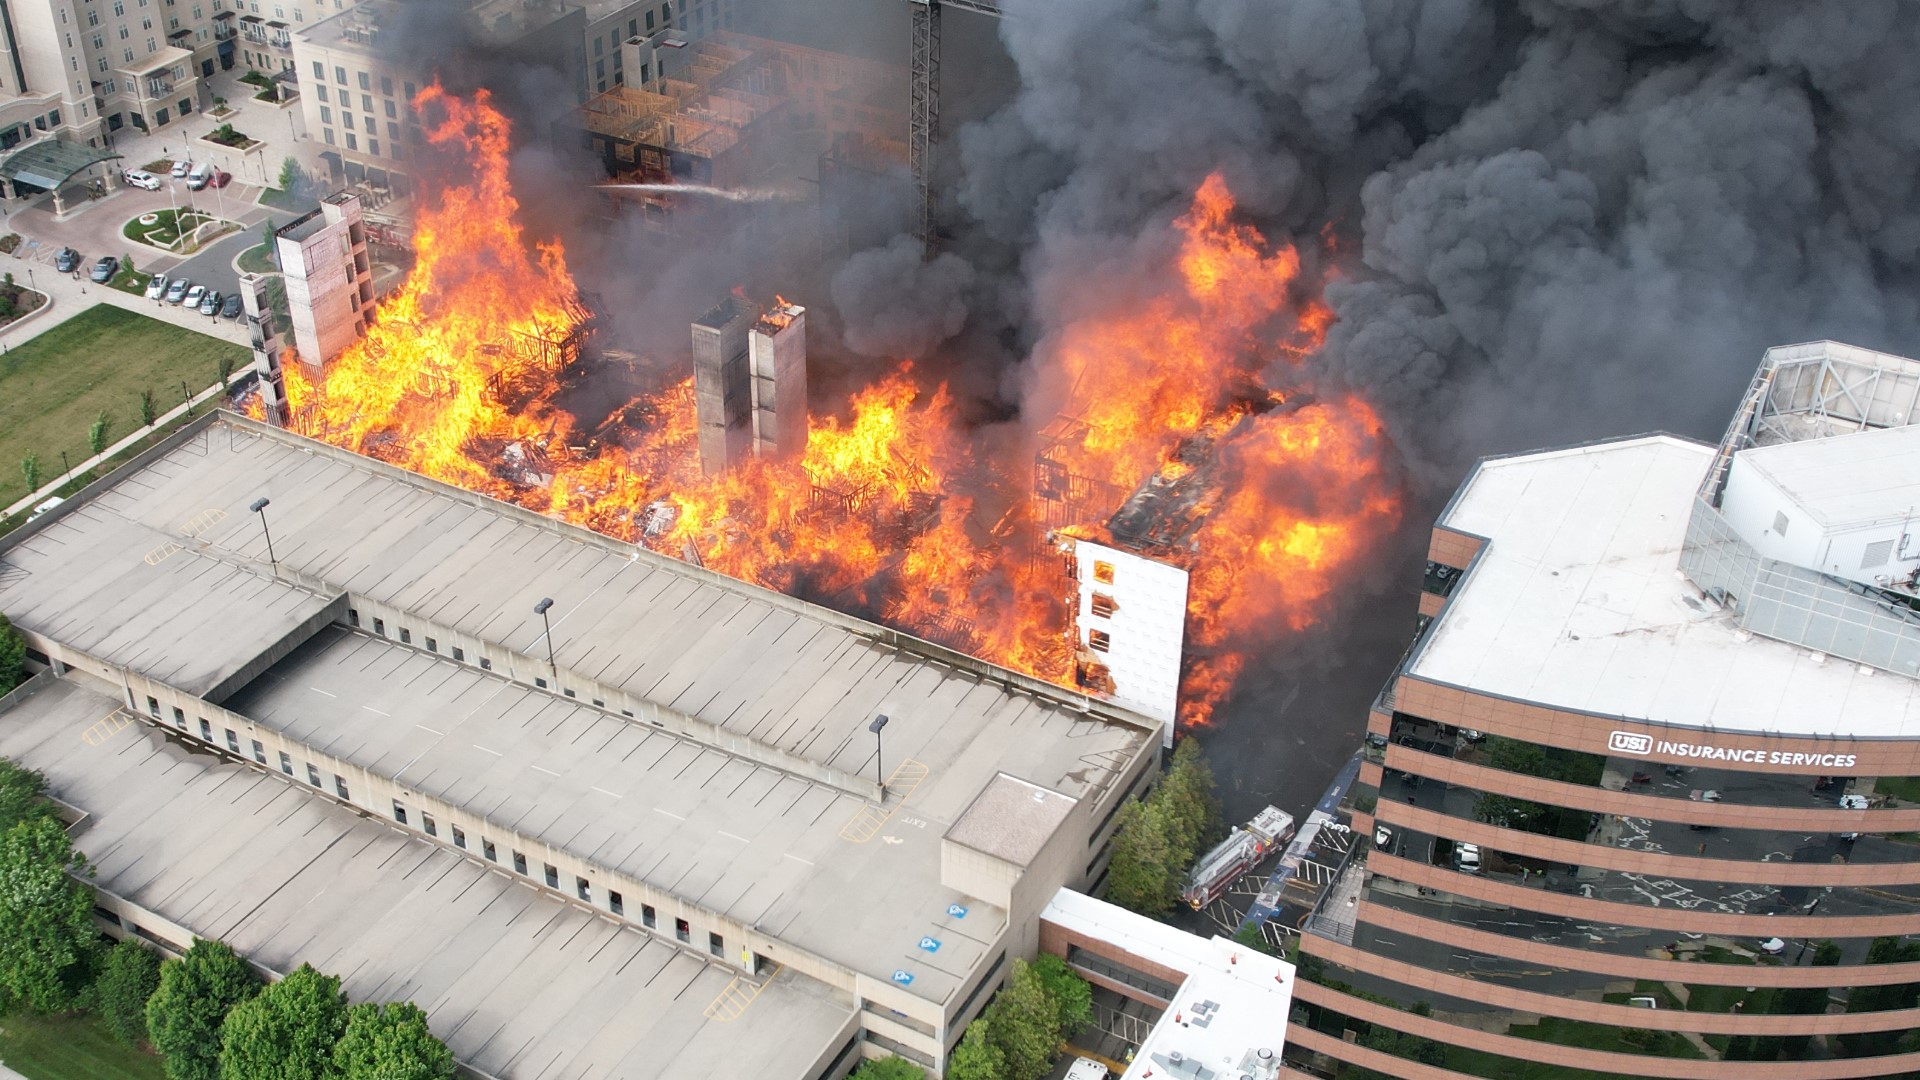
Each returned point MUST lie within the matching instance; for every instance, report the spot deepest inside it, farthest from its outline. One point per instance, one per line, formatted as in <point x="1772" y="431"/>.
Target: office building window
<point x="399" y="812"/>
<point x="286" y="763"/>
<point x="683" y="930"/>
<point x="326" y="135"/>
<point x="433" y="646"/>
<point x="406" y="636"/>
<point x="233" y="741"/>
<point x="647" y="918"/>
<point x="319" y="70"/>
<point x="179" y="717"/>
<point x="427" y="823"/>
<point x="519" y="863"/>
<point x="206" y="730"/>
<point x="486" y="849"/>
<point x="365" y="82"/>
<point x="460" y="654"/>
<point x="373" y="144"/>
<point x="340" y="75"/>
<point x="716" y="944"/>
<point x="313" y="774"/>
<point x="486" y="664"/>
<point x="259" y="752"/>
<point x="459" y="838"/>
<point x="326" y="117"/>
<point x="386" y="85"/>
<point x="153" y="708"/>
<point x="599" y="703"/>
<point x="340" y="787"/>
<point x="380" y="627"/>
<point x="1099" y="640"/>
<point x="539" y="682"/>
<point x="580" y="886"/>
<point x="614" y="903"/>
<point x="569" y="693"/>
<point x="553" y="875"/>
<point x="353" y="616"/>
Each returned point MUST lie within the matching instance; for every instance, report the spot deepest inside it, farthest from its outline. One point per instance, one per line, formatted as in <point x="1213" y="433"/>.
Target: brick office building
<point x="1655" y="746"/>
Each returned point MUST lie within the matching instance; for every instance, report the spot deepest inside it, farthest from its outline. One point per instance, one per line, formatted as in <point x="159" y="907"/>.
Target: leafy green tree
<point x="146" y="408"/>
<point x="291" y="179"/>
<point x="1023" y="1025"/>
<point x="1187" y="796"/>
<point x="30" y="471"/>
<point x="128" y="977"/>
<point x="1142" y="875"/>
<point x="20" y="789"/>
<point x="97" y="434"/>
<point x="1069" y="994"/>
<point x="889" y="1068"/>
<point x="13" y="670"/>
<point x="287" y="1032"/>
<point x="196" y="993"/>
<point x="390" y="1042"/>
<point x="977" y="1058"/>
<point x="47" y="938"/>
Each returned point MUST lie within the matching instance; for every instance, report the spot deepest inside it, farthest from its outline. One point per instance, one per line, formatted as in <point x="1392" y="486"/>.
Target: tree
<point x="273" y="249"/>
<point x="1023" y="1025"/>
<point x="49" y="941"/>
<point x="977" y="1058"/>
<point x="287" y="1032"/>
<point x="1069" y="994"/>
<point x="97" y="434"/>
<point x="146" y="408"/>
<point x="390" y="1042"/>
<point x="127" y="979"/>
<point x="889" y="1068"/>
<point x="13" y="670"/>
<point x="20" y="789"/>
<point x="1141" y="876"/>
<point x="30" y="471"/>
<point x="224" y="368"/>
<point x="1187" y="795"/>
<point x="185" y="1013"/>
<point x="291" y="179"/>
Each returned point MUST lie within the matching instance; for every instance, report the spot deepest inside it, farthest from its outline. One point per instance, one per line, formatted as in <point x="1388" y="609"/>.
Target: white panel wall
<point x="1146" y="632"/>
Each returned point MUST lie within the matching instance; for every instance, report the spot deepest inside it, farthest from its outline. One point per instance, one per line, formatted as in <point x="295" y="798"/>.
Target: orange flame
<point x="890" y="511"/>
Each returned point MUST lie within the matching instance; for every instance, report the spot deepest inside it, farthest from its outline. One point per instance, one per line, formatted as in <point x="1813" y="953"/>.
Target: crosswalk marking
<point x="872" y="817"/>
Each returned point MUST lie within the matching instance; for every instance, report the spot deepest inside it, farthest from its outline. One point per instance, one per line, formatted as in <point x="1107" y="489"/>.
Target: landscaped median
<point x="164" y="229"/>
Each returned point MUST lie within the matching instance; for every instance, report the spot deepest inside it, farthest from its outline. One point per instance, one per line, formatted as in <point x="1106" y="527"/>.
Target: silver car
<point x="210" y="303"/>
<point x="157" y="287"/>
<point x="177" y="291"/>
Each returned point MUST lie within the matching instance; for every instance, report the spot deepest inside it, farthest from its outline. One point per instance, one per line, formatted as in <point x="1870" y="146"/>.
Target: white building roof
<point x="1577" y="602"/>
<point x="1846" y="480"/>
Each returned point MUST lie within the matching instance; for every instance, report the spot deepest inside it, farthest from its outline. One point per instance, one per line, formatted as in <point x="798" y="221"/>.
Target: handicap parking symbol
<point x="956" y="911"/>
<point x="930" y="944"/>
<point x="904" y="978"/>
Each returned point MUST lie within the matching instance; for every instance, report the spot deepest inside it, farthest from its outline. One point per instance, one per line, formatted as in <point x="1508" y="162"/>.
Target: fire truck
<point x="1237" y="854"/>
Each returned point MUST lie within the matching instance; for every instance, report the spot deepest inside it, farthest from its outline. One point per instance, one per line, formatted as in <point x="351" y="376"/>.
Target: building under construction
<point x="735" y="112"/>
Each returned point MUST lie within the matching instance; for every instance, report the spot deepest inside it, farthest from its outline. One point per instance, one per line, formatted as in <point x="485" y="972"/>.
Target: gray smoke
<point x="894" y="304"/>
<point x="1562" y="219"/>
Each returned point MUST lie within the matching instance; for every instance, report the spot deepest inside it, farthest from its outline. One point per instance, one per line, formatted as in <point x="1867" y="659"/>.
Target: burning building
<point x="329" y="277"/>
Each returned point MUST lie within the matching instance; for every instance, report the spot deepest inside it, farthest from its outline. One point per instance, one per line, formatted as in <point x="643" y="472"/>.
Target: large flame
<point x="891" y="512"/>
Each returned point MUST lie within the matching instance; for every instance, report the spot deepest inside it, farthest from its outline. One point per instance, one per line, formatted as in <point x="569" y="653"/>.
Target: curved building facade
<point x="1644" y="795"/>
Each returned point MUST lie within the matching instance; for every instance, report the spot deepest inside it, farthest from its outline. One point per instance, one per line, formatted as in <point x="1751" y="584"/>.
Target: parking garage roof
<point x="1577" y="602"/>
<point x="516" y="982"/>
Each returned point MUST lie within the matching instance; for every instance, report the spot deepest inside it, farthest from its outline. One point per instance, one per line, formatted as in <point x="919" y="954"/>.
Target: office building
<point x="668" y="824"/>
<point x="1643" y="794"/>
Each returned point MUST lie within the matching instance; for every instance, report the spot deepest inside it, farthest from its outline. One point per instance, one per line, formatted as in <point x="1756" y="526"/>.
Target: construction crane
<point x="924" y="126"/>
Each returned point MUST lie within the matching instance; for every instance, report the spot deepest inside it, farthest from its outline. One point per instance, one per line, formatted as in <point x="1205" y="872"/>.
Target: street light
<point x="540" y="609"/>
<point x="879" y="772"/>
<point x="260" y="507"/>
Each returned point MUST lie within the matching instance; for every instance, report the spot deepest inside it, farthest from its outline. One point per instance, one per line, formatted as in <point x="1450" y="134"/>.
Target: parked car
<point x="66" y="260"/>
<point x="141" y="178"/>
<point x="199" y="176"/>
<point x="230" y="308"/>
<point x="45" y="506"/>
<point x="177" y="291"/>
<point x="157" y="287"/>
<point x="104" y="270"/>
<point x="221" y="178"/>
<point x="181" y="169"/>
<point x="1087" y="1069"/>
<point x="1466" y="858"/>
<point x="210" y="303"/>
<point x="1383" y="838"/>
<point x="194" y="296"/>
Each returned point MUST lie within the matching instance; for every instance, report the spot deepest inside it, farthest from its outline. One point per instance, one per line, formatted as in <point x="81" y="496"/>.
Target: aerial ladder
<point x="924" y="124"/>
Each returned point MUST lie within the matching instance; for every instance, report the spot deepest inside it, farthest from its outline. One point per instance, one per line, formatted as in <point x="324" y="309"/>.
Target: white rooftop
<point x="1577" y="602"/>
<point x="1233" y="1004"/>
<point x="1846" y="480"/>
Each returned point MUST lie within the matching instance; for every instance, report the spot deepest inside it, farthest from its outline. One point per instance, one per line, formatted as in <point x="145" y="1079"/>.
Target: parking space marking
<point x="107" y="727"/>
<point x="872" y="817"/>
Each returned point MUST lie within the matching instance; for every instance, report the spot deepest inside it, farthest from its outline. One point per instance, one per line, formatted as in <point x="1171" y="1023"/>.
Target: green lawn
<point x="258" y="260"/>
<point x="52" y="387"/>
<point x="70" y="1048"/>
<point x="1904" y="788"/>
<point x="165" y="230"/>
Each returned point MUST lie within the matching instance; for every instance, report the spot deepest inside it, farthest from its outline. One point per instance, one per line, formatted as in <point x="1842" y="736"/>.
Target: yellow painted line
<point x="202" y="521"/>
<point x="162" y="553"/>
<point x="872" y="817"/>
<point x="733" y="1001"/>
<point x="107" y="727"/>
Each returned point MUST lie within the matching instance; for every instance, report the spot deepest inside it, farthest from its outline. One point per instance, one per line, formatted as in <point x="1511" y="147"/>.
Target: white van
<point x="45" y="506"/>
<point x="1087" y="1069"/>
<point x="201" y="175"/>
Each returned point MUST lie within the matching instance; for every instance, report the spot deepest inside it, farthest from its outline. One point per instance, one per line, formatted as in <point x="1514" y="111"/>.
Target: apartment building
<point x="836" y="834"/>
<point x="1643" y="795"/>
